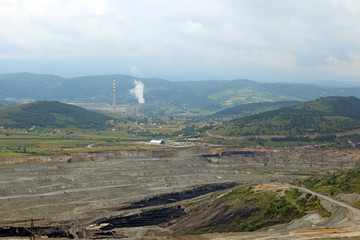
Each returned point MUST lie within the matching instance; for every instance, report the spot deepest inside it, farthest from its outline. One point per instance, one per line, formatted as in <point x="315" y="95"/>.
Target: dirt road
<point x="354" y="213"/>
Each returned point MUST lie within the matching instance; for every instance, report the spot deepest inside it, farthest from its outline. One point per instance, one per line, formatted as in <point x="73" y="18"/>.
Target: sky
<point x="263" y="40"/>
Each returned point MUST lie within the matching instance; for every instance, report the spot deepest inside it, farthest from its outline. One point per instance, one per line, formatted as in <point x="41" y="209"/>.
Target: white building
<point x="157" y="142"/>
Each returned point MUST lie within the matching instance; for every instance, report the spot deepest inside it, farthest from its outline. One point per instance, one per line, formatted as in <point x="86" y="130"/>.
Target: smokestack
<point x="114" y="96"/>
<point x="142" y="109"/>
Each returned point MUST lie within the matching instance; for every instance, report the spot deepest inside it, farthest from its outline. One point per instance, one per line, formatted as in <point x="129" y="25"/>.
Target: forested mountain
<point x="49" y="114"/>
<point x="206" y="95"/>
<point x="325" y="115"/>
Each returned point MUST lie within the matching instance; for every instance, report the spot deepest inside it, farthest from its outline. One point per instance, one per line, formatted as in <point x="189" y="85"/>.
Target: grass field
<point x="16" y="144"/>
<point x="125" y="134"/>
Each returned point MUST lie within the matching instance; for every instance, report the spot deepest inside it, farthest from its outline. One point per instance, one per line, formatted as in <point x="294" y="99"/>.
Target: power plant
<point x="136" y="109"/>
<point x="138" y="92"/>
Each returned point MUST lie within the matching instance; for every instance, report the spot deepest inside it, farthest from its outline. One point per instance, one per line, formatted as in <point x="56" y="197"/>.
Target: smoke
<point x="138" y="91"/>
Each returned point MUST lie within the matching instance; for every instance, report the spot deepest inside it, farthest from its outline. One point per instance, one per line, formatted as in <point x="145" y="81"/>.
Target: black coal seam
<point x="242" y="153"/>
<point x="52" y="232"/>
<point x="168" y="198"/>
<point x="146" y="218"/>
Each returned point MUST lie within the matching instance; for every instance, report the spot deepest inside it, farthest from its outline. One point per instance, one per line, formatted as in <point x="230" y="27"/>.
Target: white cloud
<point x="136" y="71"/>
<point x="349" y="67"/>
<point x="192" y="27"/>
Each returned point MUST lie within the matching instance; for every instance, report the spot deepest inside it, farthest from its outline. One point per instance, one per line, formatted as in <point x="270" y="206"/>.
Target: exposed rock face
<point x="297" y="162"/>
<point x="64" y="188"/>
<point x="34" y="160"/>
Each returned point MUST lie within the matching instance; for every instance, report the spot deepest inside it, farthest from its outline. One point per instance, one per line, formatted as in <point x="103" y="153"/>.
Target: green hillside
<point x="325" y="115"/>
<point x="162" y="97"/>
<point x="251" y="109"/>
<point x="49" y="114"/>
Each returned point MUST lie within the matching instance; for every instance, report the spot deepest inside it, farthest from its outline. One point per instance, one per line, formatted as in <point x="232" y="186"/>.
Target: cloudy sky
<point x="262" y="40"/>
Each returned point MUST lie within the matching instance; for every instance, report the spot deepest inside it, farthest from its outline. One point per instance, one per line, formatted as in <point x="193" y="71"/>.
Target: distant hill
<point x="49" y="114"/>
<point x="160" y="95"/>
<point x="325" y="115"/>
<point x="251" y="109"/>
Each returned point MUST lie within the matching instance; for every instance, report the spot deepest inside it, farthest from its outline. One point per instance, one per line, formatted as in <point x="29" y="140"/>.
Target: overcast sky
<point x="262" y="40"/>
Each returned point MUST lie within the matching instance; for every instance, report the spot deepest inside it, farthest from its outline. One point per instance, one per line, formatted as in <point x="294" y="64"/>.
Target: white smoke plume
<point x="138" y="91"/>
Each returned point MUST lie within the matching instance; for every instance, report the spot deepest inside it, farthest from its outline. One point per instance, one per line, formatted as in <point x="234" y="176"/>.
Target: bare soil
<point x="73" y="191"/>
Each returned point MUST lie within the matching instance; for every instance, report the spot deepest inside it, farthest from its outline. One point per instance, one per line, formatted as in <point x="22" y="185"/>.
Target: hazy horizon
<point x="329" y="84"/>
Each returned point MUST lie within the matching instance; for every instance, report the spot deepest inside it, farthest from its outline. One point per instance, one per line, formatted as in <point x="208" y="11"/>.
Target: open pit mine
<point x="128" y="195"/>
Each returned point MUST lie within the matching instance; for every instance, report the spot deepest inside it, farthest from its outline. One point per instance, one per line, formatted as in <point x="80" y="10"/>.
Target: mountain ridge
<point x="210" y="95"/>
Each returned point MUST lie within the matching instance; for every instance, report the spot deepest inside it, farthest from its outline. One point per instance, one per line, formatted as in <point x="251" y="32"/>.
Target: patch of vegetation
<point x="306" y="202"/>
<point x="347" y="181"/>
<point x="357" y="204"/>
